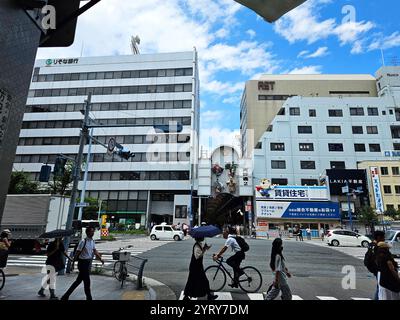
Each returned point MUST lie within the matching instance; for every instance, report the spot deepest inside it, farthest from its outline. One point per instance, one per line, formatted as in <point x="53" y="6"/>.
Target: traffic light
<point x="45" y="172"/>
<point x="271" y="10"/>
<point x="59" y="167"/>
<point x="125" y="154"/>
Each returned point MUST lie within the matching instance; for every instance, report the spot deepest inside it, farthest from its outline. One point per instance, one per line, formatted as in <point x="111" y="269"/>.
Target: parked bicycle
<point x="249" y="282"/>
<point x="120" y="270"/>
<point x="2" y="279"/>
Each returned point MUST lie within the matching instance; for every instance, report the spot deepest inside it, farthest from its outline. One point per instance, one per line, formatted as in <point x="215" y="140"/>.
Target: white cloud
<point x="320" y="52"/>
<point x="251" y="33"/>
<point x="223" y="88"/>
<point x="306" y="70"/>
<point x="233" y="100"/>
<point x="385" y="43"/>
<point x="217" y="136"/>
<point x="208" y="116"/>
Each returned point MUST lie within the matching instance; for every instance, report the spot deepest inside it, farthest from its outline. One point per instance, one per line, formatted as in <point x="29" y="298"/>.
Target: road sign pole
<point x="85" y="175"/>
<point x="77" y="169"/>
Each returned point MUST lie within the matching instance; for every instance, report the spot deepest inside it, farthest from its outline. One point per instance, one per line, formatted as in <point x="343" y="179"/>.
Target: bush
<point x="108" y="238"/>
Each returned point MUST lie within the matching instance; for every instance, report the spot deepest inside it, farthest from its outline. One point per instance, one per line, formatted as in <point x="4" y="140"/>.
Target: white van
<point x="165" y="232"/>
<point x="392" y="237"/>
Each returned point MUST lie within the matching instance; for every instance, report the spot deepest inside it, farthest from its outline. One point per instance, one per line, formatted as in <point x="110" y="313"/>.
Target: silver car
<point x="392" y="237"/>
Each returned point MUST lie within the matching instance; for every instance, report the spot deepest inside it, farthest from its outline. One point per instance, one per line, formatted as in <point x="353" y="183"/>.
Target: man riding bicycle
<point x="234" y="261"/>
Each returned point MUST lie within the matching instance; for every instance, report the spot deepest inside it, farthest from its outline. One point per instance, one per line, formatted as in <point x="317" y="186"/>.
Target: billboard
<point x="376" y="185"/>
<point x="297" y="210"/>
<point x="300" y="193"/>
<point x="339" y="177"/>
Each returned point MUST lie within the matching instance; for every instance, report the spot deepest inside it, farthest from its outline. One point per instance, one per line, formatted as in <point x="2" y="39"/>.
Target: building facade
<point x="263" y="98"/>
<point x="130" y="95"/>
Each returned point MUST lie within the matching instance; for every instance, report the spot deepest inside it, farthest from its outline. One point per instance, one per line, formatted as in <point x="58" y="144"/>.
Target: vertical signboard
<point x="377" y="189"/>
<point x="5" y="105"/>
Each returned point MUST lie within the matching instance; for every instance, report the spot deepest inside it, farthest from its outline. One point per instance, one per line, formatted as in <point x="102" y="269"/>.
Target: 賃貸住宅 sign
<point x="376" y="185"/>
<point x="5" y="106"/>
<point x="305" y="193"/>
<point x="338" y="178"/>
<point x="297" y="210"/>
<point x="54" y="62"/>
<point x="391" y="153"/>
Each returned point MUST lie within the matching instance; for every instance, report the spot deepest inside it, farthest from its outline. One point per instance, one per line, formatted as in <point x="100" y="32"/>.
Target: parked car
<point x="393" y="238"/>
<point x="340" y="237"/>
<point x="166" y="232"/>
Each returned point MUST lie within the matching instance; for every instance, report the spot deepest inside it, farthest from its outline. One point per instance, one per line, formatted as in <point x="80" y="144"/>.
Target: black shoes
<point x="212" y="296"/>
<point x="41" y="293"/>
<point x="234" y="284"/>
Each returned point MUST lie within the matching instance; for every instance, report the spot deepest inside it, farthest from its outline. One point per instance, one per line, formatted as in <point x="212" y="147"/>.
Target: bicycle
<point x="2" y="279"/>
<point x="120" y="270"/>
<point x="250" y="281"/>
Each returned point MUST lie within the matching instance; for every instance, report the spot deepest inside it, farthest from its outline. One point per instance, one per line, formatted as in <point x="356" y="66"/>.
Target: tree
<point x="21" y="183"/>
<point x="368" y="216"/>
<point x="391" y="212"/>
<point x="92" y="211"/>
<point x="61" y="185"/>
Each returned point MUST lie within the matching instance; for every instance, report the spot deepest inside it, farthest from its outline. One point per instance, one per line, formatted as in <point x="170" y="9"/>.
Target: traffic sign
<point x="82" y="204"/>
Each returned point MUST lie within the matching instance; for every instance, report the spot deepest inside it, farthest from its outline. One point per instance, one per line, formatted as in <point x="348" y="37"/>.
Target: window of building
<point x="396" y="146"/>
<point x="277" y="146"/>
<point x="372" y="129"/>
<point x="335" y="113"/>
<point x="333" y="129"/>
<point x="397" y="189"/>
<point x="359" y="147"/>
<point x="387" y="189"/>
<point x="279" y="181"/>
<point x="335" y="146"/>
<point x="374" y="147"/>
<point x="308" y="165"/>
<point x="278" y="164"/>
<point x="306" y="147"/>
<point x="384" y="171"/>
<point x="338" y="165"/>
<point x="180" y="212"/>
<point x="309" y="182"/>
<point x="304" y="129"/>
<point x="312" y="113"/>
<point x="395" y="171"/>
<point x="356" y="111"/>
<point x="373" y="112"/>
<point x="294" y="111"/>
<point x="357" y="129"/>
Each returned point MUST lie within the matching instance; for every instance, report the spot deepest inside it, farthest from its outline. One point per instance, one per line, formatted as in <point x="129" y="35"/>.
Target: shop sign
<point x="377" y="189"/>
<point x="297" y="210"/>
<point x="339" y="178"/>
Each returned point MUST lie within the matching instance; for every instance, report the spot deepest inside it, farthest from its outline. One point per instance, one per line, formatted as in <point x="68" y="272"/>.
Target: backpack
<point x="242" y="244"/>
<point x="370" y="260"/>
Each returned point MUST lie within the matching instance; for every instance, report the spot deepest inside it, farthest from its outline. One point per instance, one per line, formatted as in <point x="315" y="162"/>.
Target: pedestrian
<point x="388" y="276"/>
<point x="185" y="229"/>
<point x="197" y="284"/>
<point x="281" y="273"/>
<point x="370" y="258"/>
<point x="322" y="233"/>
<point x="308" y="231"/>
<point x="84" y="254"/>
<point x="300" y="234"/>
<point x="5" y="244"/>
<point x="54" y="263"/>
<point x="236" y="259"/>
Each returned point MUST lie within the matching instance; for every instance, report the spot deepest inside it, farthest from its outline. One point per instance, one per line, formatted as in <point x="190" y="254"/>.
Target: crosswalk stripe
<point x="294" y="297"/>
<point x="24" y="265"/>
<point x="360" y="298"/>
<point x="223" y="295"/>
<point x="326" y="298"/>
<point x="182" y="295"/>
<point x="256" y="296"/>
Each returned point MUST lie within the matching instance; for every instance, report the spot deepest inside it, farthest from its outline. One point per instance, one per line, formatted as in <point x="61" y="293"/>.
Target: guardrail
<point x="139" y="267"/>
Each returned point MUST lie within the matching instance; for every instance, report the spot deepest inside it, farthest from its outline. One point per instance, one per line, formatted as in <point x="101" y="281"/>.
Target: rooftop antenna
<point x="383" y="58"/>
<point x="135" y="41"/>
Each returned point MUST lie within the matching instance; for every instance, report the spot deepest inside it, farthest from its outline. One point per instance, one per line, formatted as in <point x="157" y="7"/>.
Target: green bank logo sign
<point x="51" y="62"/>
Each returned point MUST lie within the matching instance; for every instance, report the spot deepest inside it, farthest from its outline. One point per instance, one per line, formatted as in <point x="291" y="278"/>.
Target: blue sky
<point x="235" y="45"/>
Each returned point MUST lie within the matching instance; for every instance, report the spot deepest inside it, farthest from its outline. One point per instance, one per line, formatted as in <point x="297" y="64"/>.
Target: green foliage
<point x="368" y="216"/>
<point x="392" y="213"/>
<point x="92" y="211"/>
<point x="108" y="238"/>
<point x="20" y="183"/>
<point x="61" y="185"/>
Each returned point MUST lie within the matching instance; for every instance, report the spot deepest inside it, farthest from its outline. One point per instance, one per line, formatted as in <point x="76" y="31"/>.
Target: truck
<point x="28" y="216"/>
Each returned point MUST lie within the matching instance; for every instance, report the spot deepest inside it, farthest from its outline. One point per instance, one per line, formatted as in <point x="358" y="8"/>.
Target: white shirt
<point x="198" y="251"/>
<point x="231" y="242"/>
<point x="87" y="251"/>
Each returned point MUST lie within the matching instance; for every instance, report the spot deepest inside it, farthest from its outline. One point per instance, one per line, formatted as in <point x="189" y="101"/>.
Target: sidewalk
<point x="104" y="287"/>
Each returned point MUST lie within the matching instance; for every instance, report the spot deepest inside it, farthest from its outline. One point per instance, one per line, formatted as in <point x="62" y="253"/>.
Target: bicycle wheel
<point x="124" y="274"/>
<point x="117" y="270"/>
<point x="2" y="279"/>
<point x="216" y="277"/>
<point x="251" y="280"/>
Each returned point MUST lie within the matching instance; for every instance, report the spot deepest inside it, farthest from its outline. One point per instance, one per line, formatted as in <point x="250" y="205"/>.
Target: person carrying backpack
<point x="370" y="257"/>
<point x="232" y="241"/>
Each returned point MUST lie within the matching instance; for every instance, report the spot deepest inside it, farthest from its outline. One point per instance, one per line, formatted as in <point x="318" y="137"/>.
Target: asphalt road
<point x="317" y="270"/>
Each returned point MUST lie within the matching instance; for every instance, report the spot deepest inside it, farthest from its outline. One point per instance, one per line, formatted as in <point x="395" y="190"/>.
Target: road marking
<point x="256" y="296"/>
<point x="361" y="298"/>
<point x="294" y="297"/>
<point x="326" y="298"/>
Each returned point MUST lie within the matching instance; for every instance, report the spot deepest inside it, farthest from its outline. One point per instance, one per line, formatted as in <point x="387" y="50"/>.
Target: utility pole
<point x="77" y="169"/>
<point x="349" y="205"/>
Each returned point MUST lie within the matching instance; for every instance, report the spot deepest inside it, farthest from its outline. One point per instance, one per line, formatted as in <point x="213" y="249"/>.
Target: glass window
<point x="179" y="72"/>
<point x="372" y="129"/>
<point x="92" y="76"/>
<point x="279" y="181"/>
<point x="373" y="112"/>
<point x="126" y="74"/>
<point x="356" y="111"/>
<point x="397" y="189"/>
<point x="335" y="113"/>
<point x="338" y="165"/>
<point x="143" y="73"/>
<point x="179" y="88"/>
<point x="294" y="111"/>
<point x="170" y="72"/>
<point x="333" y="129"/>
<point x="278" y="164"/>
<point x="312" y="113"/>
<point x="357" y="129"/>
<point x="387" y="189"/>
<point x="304" y="129"/>
<point x="309" y="182"/>
<point x="187" y="88"/>
<point x="116" y="90"/>
<point x="188" y="72"/>
<point x="384" y="171"/>
<point x="180" y="212"/>
<point x="161" y="73"/>
<point x="395" y="171"/>
<point x="307" y="165"/>
<point x="359" y="147"/>
<point x="152" y="73"/>
<point x="108" y="75"/>
<point x="374" y="147"/>
<point x="335" y="147"/>
<point x="83" y="76"/>
<point x="277" y="146"/>
<point x="306" y="146"/>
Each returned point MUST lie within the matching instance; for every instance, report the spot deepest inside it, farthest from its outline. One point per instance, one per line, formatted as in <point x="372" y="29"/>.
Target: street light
<point x="271" y="10"/>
